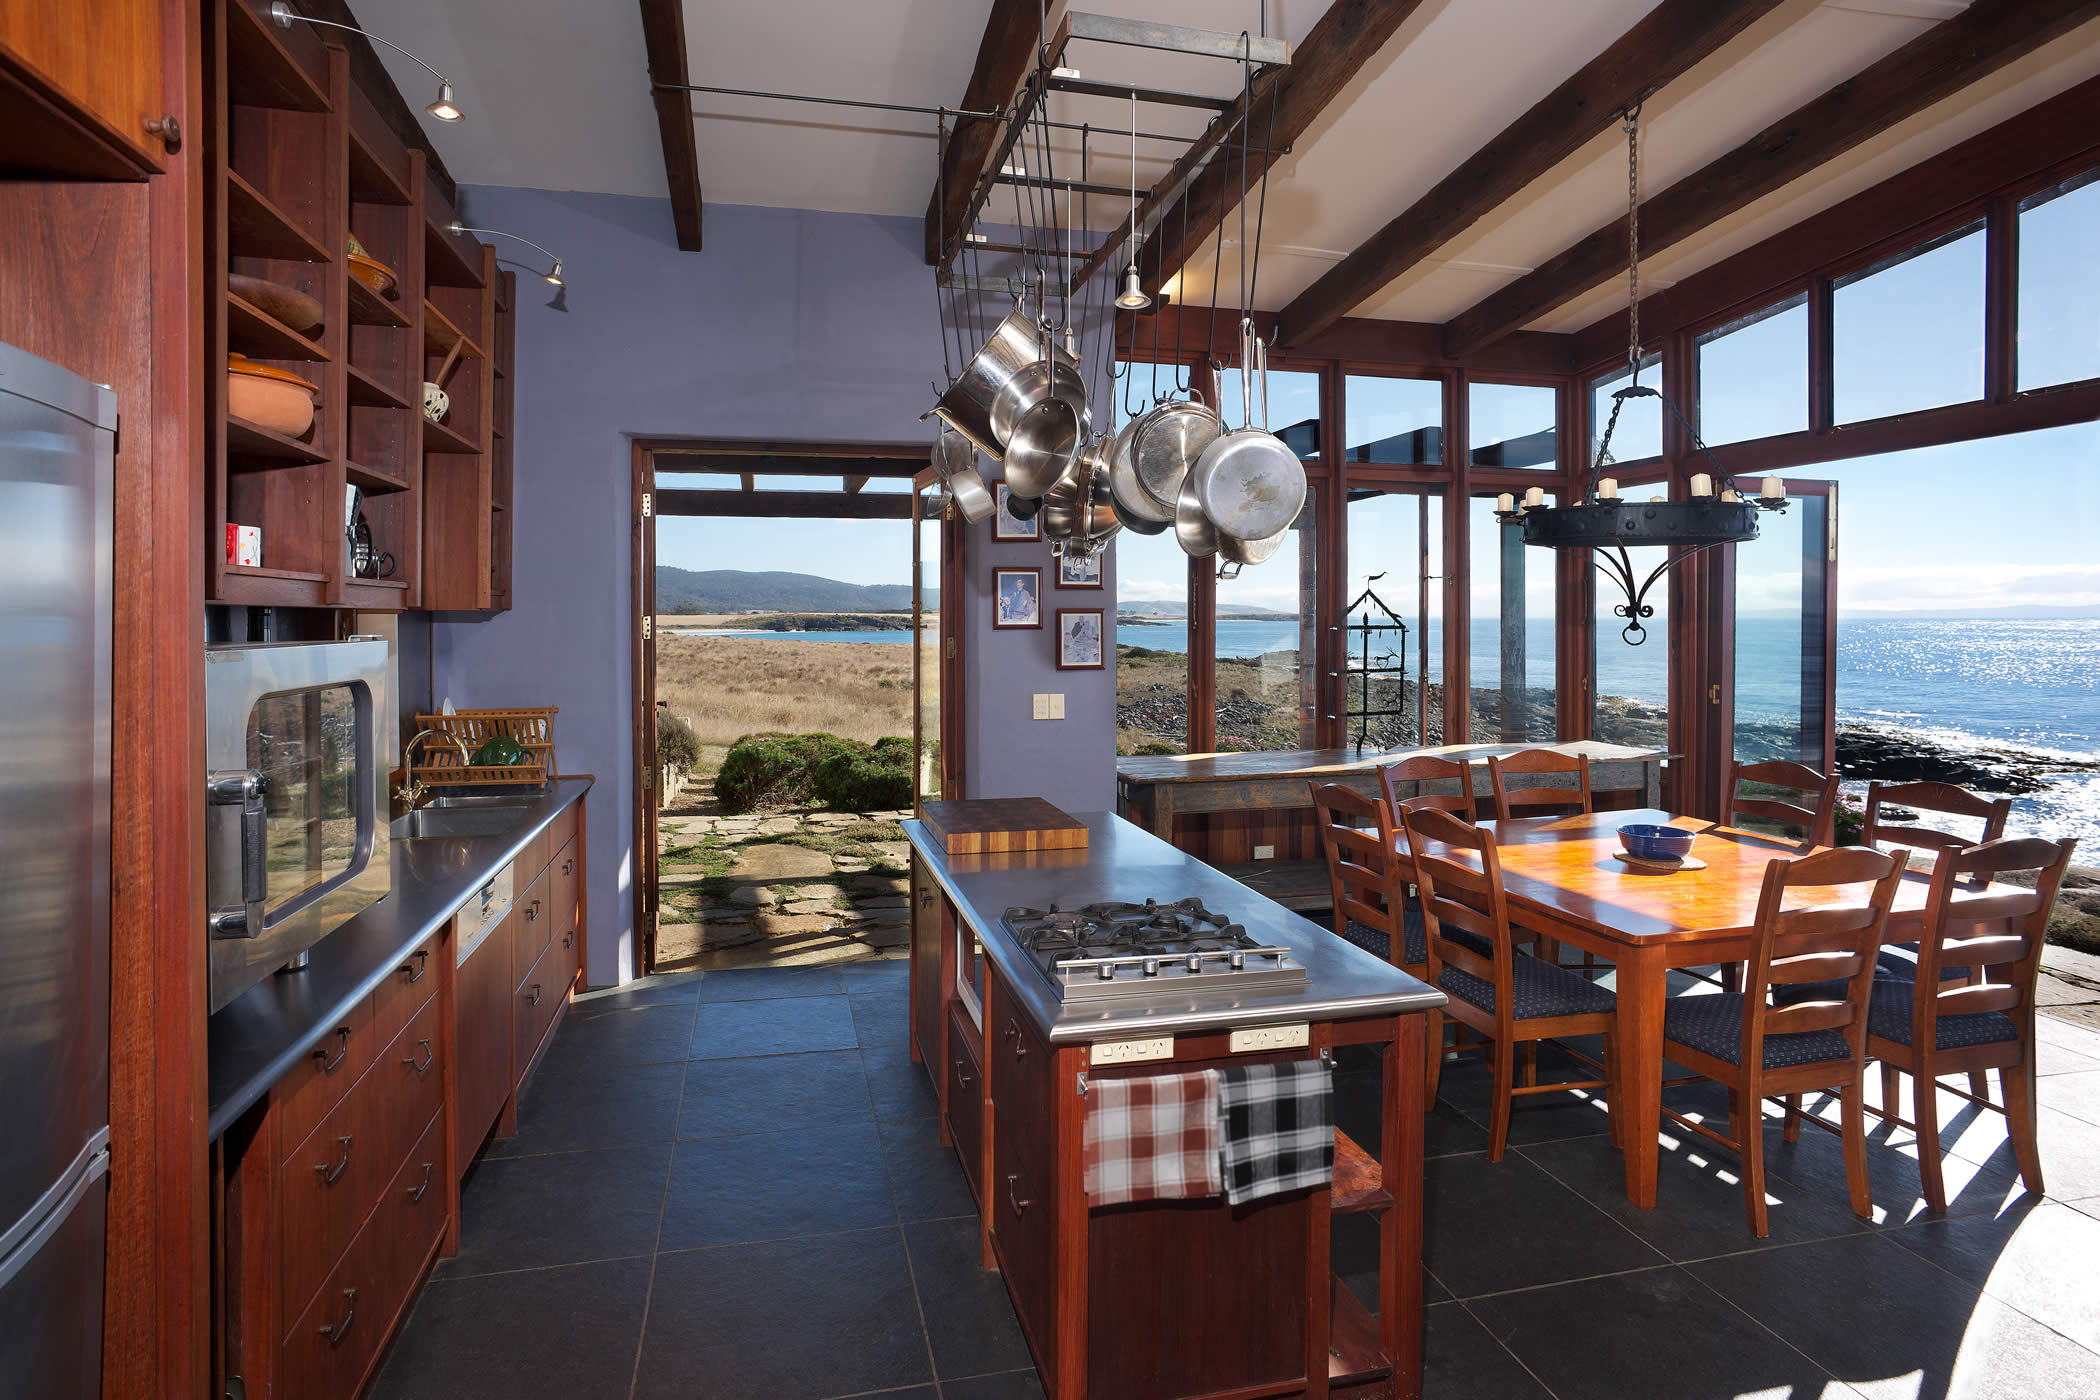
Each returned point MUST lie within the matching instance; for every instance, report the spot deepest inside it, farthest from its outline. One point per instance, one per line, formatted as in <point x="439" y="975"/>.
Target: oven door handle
<point x="246" y="788"/>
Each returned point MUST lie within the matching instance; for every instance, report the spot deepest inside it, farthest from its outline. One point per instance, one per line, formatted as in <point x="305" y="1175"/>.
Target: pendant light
<point x="443" y="108"/>
<point x="1605" y="523"/>
<point x="1133" y="297"/>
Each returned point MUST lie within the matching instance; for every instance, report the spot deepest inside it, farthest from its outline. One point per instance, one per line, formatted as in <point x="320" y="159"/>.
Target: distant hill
<point x="1153" y="607"/>
<point x="737" y="590"/>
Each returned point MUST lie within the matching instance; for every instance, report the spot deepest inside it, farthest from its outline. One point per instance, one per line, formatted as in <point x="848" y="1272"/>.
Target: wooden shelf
<point x="368" y="308"/>
<point x="257" y="571"/>
<point x="370" y="393"/>
<point x="375" y="583"/>
<point x="1359" y="1184"/>
<point x="258" y="446"/>
<point x="439" y="438"/>
<point x="370" y="181"/>
<point x="260" y="71"/>
<point x="260" y="336"/>
<point x="440" y="335"/>
<point x="1353" y="1353"/>
<point x="373" y="481"/>
<point x="445" y="263"/>
<point x="257" y="228"/>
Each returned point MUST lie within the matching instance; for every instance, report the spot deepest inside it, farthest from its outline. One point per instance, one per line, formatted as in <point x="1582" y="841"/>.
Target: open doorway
<point x="793" y="680"/>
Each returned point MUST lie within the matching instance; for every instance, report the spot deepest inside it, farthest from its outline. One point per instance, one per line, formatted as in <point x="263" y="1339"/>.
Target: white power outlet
<point x="1057" y="705"/>
<point x="1041" y="708"/>
<point x="1130" y="1052"/>
<point x="1265" y="853"/>
<point x="1253" y="1038"/>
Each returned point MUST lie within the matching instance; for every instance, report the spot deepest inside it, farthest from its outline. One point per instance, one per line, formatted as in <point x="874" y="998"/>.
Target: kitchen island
<point x="1181" y="1298"/>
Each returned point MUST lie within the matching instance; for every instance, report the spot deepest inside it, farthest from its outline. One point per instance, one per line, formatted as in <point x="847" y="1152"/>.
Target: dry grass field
<point x="727" y="687"/>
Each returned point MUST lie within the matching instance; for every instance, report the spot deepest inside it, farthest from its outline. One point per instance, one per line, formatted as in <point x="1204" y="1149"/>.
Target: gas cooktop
<point x="1122" y="950"/>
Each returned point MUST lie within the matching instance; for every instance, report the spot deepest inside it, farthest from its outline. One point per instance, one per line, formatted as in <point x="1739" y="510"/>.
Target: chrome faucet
<point x="413" y="791"/>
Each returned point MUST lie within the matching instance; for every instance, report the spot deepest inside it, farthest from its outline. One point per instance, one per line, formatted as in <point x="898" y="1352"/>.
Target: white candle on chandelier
<point x="1772" y="489"/>
<point x="1702" y="485"/>
<point x="1505" y="503"/>
<point x="1608" y="489"/>
<point x="1730" y="496"/>
<point x="1535" y="498"/>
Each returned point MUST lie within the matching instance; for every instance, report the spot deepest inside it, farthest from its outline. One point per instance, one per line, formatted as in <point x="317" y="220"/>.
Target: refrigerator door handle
<point x="22" y="1240"/>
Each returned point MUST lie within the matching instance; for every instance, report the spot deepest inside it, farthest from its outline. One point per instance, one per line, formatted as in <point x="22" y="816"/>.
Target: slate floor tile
<point x="2022" y="1257"/>
<point x="2076" y="1094"/>
<point x="772" y="1026"/>
<point x="657" y="989"/>
<point x="603" y="1107"/>
<point x="796" y="1319"/>
<point x="640" y="1036"/>
<point x="875" y="974"/>
<point x="968" y="1316"/>
<point x="1817" y="1163"/>
<point x="767" y="1186"/>
<point x="925" y="1177"/>
<point x="1658" y="1332"/>
<point x="769" y="1093"/>
<point x="1008" y="1385"/>
<point x="1461" y="1360"/>
<point x="756" y="983"/>
<point x="882" y="1018"/>
<point x="2006" y="1355"/>
<point x="901" y="1089"/>
<point x="1469" y="1201"/>
<point x="559" y="1208"/>
<point x="569" y="1332"/>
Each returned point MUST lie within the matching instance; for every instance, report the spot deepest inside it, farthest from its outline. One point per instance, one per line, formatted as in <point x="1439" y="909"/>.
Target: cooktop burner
<point x="1116" y="949"/>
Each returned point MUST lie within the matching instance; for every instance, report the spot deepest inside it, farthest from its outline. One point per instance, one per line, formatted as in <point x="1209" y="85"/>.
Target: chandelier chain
<point x="1631" y="120"/>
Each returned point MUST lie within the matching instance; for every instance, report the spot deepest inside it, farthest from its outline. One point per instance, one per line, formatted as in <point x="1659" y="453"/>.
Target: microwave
<point x="298" y="748"/>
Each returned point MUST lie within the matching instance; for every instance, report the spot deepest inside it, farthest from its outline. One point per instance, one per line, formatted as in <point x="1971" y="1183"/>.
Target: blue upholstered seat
<point x="1374" y="941"/>
<point x="1890" y="1018"/>
<point x="1538" y="988"/>
<point x="1901" y="960"/>
<point x="1714" y="1025"/>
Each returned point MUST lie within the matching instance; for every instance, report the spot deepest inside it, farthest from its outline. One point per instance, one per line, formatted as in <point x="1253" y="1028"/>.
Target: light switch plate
<point x="1265" y="853"/>
<point x="1130" y="1052"/>
<point x="1254" y="1038"/>
<point x="1042" y="706"/>
<point x="1057" y="705"/>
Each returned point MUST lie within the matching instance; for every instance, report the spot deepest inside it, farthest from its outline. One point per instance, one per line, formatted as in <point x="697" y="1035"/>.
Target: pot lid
<point x="237" y="363"/>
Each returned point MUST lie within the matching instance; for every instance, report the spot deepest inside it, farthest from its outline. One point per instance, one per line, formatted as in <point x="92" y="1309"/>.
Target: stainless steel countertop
<point x="1124" y="862"/>
<point x="254" y="1039"/>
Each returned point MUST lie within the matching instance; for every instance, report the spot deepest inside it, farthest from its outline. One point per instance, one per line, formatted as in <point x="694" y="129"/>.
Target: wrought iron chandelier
<point x="1603" y="522"/>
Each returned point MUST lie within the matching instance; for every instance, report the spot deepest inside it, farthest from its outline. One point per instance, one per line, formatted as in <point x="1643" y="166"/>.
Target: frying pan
<point x="1248" y="482"/>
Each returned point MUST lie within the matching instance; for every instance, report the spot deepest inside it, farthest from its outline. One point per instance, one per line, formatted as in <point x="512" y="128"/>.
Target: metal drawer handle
<point x="568" y="940"/>
<point x="336" y="1331"/>
<point x="416" y="1193"/>
<point x="532" y="912"/>
<point x="430" y="1055"/>
<point x="328" y="1173"/>
<point x="329" y="1066"/>
<point x="416" y="966"/>
<point x="1012" y="1199"/>
<point x="535" y="995"/>
<point x="962" y="1076"/>
<point x="568" y="867"/>
<point x="1013" y="1029"/>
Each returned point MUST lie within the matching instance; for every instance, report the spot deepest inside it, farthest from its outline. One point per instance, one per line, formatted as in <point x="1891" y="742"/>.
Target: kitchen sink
<point x="481" y="818"/>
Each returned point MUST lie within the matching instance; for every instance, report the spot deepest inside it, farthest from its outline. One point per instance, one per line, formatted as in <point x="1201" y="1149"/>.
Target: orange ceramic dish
<point x="269" y="397"/>
<point x="373" y="273"/>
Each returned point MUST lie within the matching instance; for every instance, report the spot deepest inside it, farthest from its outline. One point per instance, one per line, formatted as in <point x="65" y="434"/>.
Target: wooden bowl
<point x="288" y="304"/>
<point x="269" y="397"/>
<point x="374" y="274"/>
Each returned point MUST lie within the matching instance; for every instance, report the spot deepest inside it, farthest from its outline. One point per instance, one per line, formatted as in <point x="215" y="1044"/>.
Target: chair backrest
<point x="1426" y="768"/>
<point x="1358" y="835"/>
<point x="1933" y="797"/>
<point x="1461" y="896"/>
<point x="1519" y="799"/>
<point x="1816" y="815"/>
<point x="1820" y="943"/>
<point x="1998" y="932"/>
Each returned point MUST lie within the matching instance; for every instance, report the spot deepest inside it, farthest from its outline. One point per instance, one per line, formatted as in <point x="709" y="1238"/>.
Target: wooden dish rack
<point x="438" y="764"/>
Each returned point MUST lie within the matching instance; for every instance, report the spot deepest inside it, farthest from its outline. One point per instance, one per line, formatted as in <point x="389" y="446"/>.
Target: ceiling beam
<point x="663" y="34"/>
<point x="787" y="505"/>
<point x="1003" y="57"/>
<point x="1932" y="67"/>
<point x="854" y="485"/>
<point x="889" y="468"/>
<point x="1672" y="38"/>
<point x="1347" y="37"/>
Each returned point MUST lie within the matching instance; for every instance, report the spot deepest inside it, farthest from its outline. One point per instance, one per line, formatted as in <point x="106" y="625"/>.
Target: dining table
<point x="1562" y="879"/>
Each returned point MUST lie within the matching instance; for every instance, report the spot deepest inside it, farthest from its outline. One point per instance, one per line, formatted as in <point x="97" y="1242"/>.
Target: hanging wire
<point x="1184" y="377"/>
<point x="1631" y="119"/>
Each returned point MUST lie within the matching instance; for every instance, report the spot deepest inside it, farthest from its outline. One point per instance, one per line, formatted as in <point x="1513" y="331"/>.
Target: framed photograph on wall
<point x="1017" y="597"/>
<point x="1079" y="639"/>
<point x="1007" y="526"/>
<point x="1077" y="571"/>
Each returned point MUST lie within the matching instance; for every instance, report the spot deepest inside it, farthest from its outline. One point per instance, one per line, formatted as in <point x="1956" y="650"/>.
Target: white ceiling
<point x="558" y="99"/>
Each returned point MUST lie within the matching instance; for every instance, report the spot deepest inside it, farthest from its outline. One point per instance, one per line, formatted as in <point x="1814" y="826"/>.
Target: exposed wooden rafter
<point x="787" y="505"/>
<point x="1938" y="63"/>
<point x="1003" y="56"/>
<point x="663" y="35"/>
<point x="1669" y="41"/>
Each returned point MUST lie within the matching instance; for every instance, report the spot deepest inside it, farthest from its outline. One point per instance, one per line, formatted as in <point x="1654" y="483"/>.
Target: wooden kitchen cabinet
<point x="483" y="985"/>
<point x="79" y="83"/>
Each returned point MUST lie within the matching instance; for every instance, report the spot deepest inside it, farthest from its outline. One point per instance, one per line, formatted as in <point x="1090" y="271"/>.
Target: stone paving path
<point x="828" y="887"/>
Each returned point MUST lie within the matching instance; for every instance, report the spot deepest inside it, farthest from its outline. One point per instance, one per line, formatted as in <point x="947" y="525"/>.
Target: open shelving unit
<point x="299" y="162"/>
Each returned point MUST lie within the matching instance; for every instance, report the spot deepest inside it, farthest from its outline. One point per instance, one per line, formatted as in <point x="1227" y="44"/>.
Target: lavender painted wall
<point x="792" y="325"/>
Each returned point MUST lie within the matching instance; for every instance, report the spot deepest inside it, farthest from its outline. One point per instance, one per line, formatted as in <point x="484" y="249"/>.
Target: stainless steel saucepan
<point x="1134" y="506"/>
<point x="1168" y="442"/>
<point x="955" y="462"/>
<point x="1238" y="553"/>
<point x="1045" y="411"/>
<point x="1076" y="508"/>
<point x="1014" y="344"/>
<point x="1193" y="531"/>
<point x="1248" y="482"/>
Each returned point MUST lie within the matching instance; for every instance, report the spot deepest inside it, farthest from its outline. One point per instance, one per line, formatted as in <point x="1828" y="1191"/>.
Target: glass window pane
<point x="1907" y="332"/>
<point x="1152" y="644"/>
<point x="1394" y="420"/>
<point x="1630" y="697"/>
<point x="1513" y="425"/>
<point x="1511" y="640"/>
<point x="1779" y="637"/>
<point x="1396" y="553"/>
<point x="1294" y="406"/>
<point x="1638" y="433"/>
<point x="2059" y="302"/>
<point x="305" y="743"/>
<point x="926" y="639"/>
<point x="1753" y="375"/>
<point x="1267" y="647"/>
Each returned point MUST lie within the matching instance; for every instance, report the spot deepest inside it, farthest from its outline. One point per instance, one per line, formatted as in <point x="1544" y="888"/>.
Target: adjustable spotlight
<point x="1133" y="297"/>
<point x="552" y="276"/>
<point x="444" y="109"/>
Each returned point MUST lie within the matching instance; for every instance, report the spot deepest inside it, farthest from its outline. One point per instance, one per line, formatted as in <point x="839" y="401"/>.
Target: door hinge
<point x="1713" y="695"/>
<point x="951" y="648"/>
<point x="648" y="627"/>
<point x="649" y="778"/>
<point x="648" y="503"/>
<point x="236" y="1388"/>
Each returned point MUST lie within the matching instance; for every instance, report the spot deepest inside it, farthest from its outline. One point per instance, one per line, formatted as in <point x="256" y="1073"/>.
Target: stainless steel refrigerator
<point x="57" y="448"/>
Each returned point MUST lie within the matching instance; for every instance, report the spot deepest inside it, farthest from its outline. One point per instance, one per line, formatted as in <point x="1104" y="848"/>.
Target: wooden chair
<point x="1509" y="997"/>
<point x="1758" y="1049"/>
<point x="1926" y="1028"/>
<point x="1932" y="797"/>
<point x="1532" y="799"/>
<point x="1426" y="768"/>
<point x="1371" y="908"/>
<point x="1818" y="823"/>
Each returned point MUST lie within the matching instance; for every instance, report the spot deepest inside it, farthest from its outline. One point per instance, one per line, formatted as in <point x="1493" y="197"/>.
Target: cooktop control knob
<point x="1236" y="960"/>
<point x="1151" y="966"/>
<point x="1106" y="972"/>
<point x="1195" y="962"/>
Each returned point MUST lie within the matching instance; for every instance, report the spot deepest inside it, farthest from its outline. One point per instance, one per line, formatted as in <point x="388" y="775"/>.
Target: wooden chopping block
<point x="983" y="826"/>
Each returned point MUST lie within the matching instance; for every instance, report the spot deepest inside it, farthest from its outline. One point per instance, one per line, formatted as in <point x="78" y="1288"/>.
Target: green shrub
<point x="848" y="782"/>
<point x="676" y="744"/>
<point x="771" y="771"/>
<point x="1153" y="748"/>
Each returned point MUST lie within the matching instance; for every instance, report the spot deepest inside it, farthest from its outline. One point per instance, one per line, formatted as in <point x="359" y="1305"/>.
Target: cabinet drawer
<point x="336" y="1338"/>
<point x="533" y="859"/>
<point x="532" y="922"/>
<point x="406" y="1086"/>
<point x="966" y="1103"/>
<point x="562" y="830"/>
<point x="481" y="1060"/>
<point x="324" y="1191"/>
<point x="310" y="1092"/>
<point x="1018" y="1196"/>
<point x="405" y="991"/>
<point x="539" y="996"/>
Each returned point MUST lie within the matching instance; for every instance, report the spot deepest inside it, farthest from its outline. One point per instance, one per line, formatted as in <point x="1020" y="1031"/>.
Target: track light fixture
<point x="444" y="108"/>
<point x="552" y="276"/>
<point x="1133" y="297"/>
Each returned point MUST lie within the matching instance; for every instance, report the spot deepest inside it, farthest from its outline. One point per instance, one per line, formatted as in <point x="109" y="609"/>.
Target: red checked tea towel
<point x="1278" y="1127"/>
<point x="1153" y="1138"/>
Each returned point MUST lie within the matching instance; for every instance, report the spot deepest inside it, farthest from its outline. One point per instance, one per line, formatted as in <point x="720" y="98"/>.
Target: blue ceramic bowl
<point x="1656" y="842"/>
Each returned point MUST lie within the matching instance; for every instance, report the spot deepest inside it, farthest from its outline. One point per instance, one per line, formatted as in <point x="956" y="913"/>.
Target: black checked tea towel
<point x="1279" y="1128"/>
